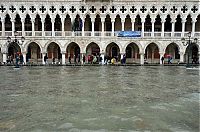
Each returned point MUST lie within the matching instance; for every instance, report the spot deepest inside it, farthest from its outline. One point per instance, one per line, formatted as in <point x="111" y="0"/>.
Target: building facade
<point x="71" y="28"/>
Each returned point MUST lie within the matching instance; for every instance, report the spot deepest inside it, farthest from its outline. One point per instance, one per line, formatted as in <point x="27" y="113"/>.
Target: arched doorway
<point x="33" y="53"/>
<point x="13" y="49"/>
<point x="93" y="52"/>
<point x="152" y="53"/>
<point x="113" y="51"/>
<point x="73" y="52"/>
<point x="193" y="54"/>
<point x="172" y="51"/>
<point x="132" y="53"/>
<point x="54" y="52"/>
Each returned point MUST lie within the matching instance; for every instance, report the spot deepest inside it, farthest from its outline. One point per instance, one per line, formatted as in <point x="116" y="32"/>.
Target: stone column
<point x="173" y="26"/>
<point x="113" y="27"/>
<point x="181" y="57"/>
<point x="83" y="28"/>
<point x="102" y="28"/>
<point x="33" y="27"/>
<point x="23" y="27"/>
<point x="193" y="28"/>
<point x="123" y="22"/>
<point x="152" y="33"/>
<point x="4" y="57"/>
<point x="143" y="27"/>
<point x="24" y="57"/>
<point x="63" y="26"/>
<point x="3" y="26"/>
<point x="43" y="21"/>
<point x="43" y="55"/>
<point x="163" y="29"/>
<point x="133" y="24"/>
<point x="183" y="28"/>
<point x="63" y="58"/>
<point x="142" y="58"/>
<point x="161" y="55"/>
<point x="53" y="26"/>
<point x="13" y="27"/>
<point x="102" y="56"/>
<point x="92" y="27"/>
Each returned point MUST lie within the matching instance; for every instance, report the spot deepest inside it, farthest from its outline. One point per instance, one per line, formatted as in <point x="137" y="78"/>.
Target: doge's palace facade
<point x="71" y="28"/>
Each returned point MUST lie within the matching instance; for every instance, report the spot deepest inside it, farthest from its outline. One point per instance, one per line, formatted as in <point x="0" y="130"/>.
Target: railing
<point x="77" y="33"/>
<point x="197" y="34"/>
<point x="58" y="33"/>
<point x="157" y="34"/>
<point x="167" y="34"/>
<point x="28" y="33"/>
<point x="48" y="33"/>
<point x="38" y="33"/>
<point x="177" y="34"/>
<point x="68" y="33"/>
<point x="8" y="33"/>
<point x="147" y="34"/>
<point x="88" y="33"/>
<point x="96" y="34"/>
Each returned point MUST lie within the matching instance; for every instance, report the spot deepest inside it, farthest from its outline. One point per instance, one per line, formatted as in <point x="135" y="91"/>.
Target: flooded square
<point x="99" y="99"/>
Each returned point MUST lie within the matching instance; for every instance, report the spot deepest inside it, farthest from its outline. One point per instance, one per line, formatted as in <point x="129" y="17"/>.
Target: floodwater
<point x="99" y="99"/>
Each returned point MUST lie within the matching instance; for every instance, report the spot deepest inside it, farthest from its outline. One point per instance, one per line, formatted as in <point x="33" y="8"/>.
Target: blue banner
<point x="129" y="34"/>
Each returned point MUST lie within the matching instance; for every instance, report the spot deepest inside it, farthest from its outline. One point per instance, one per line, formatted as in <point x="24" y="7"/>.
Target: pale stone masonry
<point x="63" y="28"/>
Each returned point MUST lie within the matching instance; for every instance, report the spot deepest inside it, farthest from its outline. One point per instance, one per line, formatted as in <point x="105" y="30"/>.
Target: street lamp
<point x="16" y="42"/>
<point x="188" y="43"/>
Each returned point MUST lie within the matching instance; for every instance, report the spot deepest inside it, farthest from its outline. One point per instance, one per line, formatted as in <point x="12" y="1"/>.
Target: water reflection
<point x="99" y="99"/>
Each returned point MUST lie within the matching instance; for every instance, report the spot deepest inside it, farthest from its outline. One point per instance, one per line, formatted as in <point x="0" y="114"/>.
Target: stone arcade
<point x="63" y="28"/>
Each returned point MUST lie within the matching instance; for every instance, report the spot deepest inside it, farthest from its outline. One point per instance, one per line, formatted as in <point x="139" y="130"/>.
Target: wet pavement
<point x="99" y="99"/>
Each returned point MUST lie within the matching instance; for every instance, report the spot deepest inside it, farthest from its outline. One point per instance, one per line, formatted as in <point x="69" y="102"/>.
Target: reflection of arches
<point x="73" y="50"/>
<point x="92" y="49"/>
<point x="152" y="53"/>
<point x="53" y="50"/>
<point x="112" y="50"/>
<point x="172" y="50"/>
<point x="33" y="52"/>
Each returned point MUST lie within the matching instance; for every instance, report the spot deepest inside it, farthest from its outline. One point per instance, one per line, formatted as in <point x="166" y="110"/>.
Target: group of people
<point x="18" y="58"/>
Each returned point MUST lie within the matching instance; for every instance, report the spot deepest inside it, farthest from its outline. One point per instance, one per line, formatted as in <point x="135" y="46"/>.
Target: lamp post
<point x="16" y="42"/>
<point x="188" y="43"/>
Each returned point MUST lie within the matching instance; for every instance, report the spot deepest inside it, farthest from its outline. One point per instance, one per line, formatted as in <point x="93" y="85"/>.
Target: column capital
<point x="141" y="53"/>
<point x="63" y="52"/>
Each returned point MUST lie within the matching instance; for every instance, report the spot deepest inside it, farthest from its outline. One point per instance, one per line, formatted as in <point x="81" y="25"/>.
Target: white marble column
<point x="33" y="27"/>
<point x="43" y="55"/>
<point x="102" y="28"/>
<point x="183" y="28"/>
<point x="181" y="57"/>
<point x="43" y="21"/>
<point x="13" y="27"/>
<point x="123" y="22"/>
<point x="152" y="32"/>
<point x="163" y="29"/>
<point x="63" y="26"/>
<point x="113" y="27"/>
<point x="3" y="27"/>
<point x="63" y="58"/>
<point x="133" y="24"/>
<point x="161" y="55"/>
<point x="143" y="28"/>
<point x="92" y="28"/>
<point x="53" y="27"/>
<point x="102" y="56"/>
<point x="4" y="57"/>
<point x="173" y="27"/>
<point x="23" y="27"/>
<point x="24" y="57"/>
<point x="142" y="58"/>
<point x="193" y="28"/>
<point x="83" y="28"/>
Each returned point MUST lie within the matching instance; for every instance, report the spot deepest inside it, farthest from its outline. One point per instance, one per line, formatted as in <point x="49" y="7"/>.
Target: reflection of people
<point x="162" y="60"/>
